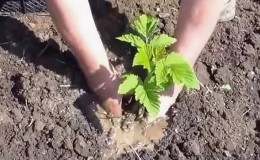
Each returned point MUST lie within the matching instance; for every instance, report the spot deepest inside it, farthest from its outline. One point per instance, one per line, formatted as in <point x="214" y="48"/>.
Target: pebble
<point x="256" y="70"/>
<point x="18" y="115"/>
<point x="164" y="15"/>
<point x="230" y="146"/>
<point x="68" y="143"/>
<point x="39" y="125"/>
<point x="227" y="153"/>
<point x="160" y="25"/>
<point x="249" y="50"/>
<point x="250" y="75"/>
<point x="32" y="25"/>
<point x="195" y="148"/>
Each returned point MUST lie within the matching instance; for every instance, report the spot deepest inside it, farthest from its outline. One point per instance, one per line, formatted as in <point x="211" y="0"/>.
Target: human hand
<point x="104" y="83"/>
<point x="167" y="100"/>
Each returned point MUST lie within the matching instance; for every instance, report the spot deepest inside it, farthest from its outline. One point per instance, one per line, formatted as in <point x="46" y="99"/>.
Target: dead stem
<point x="4" y="43"/>
<point x="43" y="50"/>
<point x="139" y="158"/>
<point x="107" y="115"/>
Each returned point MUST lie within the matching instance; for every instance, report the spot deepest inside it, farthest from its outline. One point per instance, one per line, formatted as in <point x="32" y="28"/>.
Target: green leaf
<point x="161" y="72"/>
<point x="143" y="58"/>
<point x="151" y="80"/>
<point x="162" y="40"/>
<point x="145" y="25"/>
<point x="181" y="72"/>
<point x="129" y="84"/>
<point x="135" y="41"/>
<point x="149" y="97"/>
<point x="158" y="53"/>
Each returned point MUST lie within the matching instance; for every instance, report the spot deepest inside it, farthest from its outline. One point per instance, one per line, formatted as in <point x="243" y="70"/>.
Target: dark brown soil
<point x="44" y="97"/>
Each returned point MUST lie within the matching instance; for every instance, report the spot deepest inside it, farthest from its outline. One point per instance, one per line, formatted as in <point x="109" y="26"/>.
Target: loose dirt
<point x="44" y="99"/>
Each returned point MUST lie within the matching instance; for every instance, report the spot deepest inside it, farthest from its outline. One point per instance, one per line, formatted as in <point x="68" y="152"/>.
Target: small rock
<point x="32" y="25"/>
<point x="82" y="142"/>
<point x="176" y="153"/>
<point x="160" y="25"/>
<point x="256" y="40"/>
<point x="227" y="153"/>
<point x="39" y="125"/>
<point x="230" y="146"/>
<point x="256" y="70"/>
<point x="195" y="148"/>
<point x="68" y="130"/>
<point x="249" y="50"/>
<point x="141" y="112"/>
<point x="226" y="87"/>
<point x="257" y="140"/>
<point x="164" y="15"/>
<point x="250" y="75"/>
<point x="68" y="143"/>
<point x="18" y="115"/>
<point x="81" y="146"/>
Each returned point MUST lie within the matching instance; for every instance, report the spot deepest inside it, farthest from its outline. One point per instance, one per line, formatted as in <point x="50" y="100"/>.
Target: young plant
<point x="163" y="68"/>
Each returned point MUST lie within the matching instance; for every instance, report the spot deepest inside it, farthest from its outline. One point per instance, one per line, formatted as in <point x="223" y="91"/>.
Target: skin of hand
<point x="75" y="22"/>
<point x="196" y="22"/>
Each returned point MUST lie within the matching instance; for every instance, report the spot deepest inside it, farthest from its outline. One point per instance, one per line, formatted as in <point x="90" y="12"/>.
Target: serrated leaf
<point x="129" y="84"/>
<point x="161" y="72"/>
<point x="150" y="80"/>
<point x="158" y="53"/>
<point x="181" y="71"/>
<point x="145" y="25"/>
<point x="142" y="58"/>
<point x="135" y="41"/>
<point x="148" y="96"/>
<point x="162" y="40"/>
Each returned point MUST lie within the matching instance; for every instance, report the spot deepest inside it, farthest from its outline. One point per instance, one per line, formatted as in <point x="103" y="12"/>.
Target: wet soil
<point x="45" y="100"/>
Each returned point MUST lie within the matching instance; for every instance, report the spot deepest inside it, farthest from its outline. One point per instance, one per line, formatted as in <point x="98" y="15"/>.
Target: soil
<point x="45" y="100"/>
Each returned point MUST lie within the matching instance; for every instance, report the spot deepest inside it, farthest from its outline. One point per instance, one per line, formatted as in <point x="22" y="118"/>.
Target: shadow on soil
<point x="17" y="39"/>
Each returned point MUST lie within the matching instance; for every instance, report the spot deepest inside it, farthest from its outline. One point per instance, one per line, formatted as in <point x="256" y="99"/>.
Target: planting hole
<point x="142" y="133"/>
